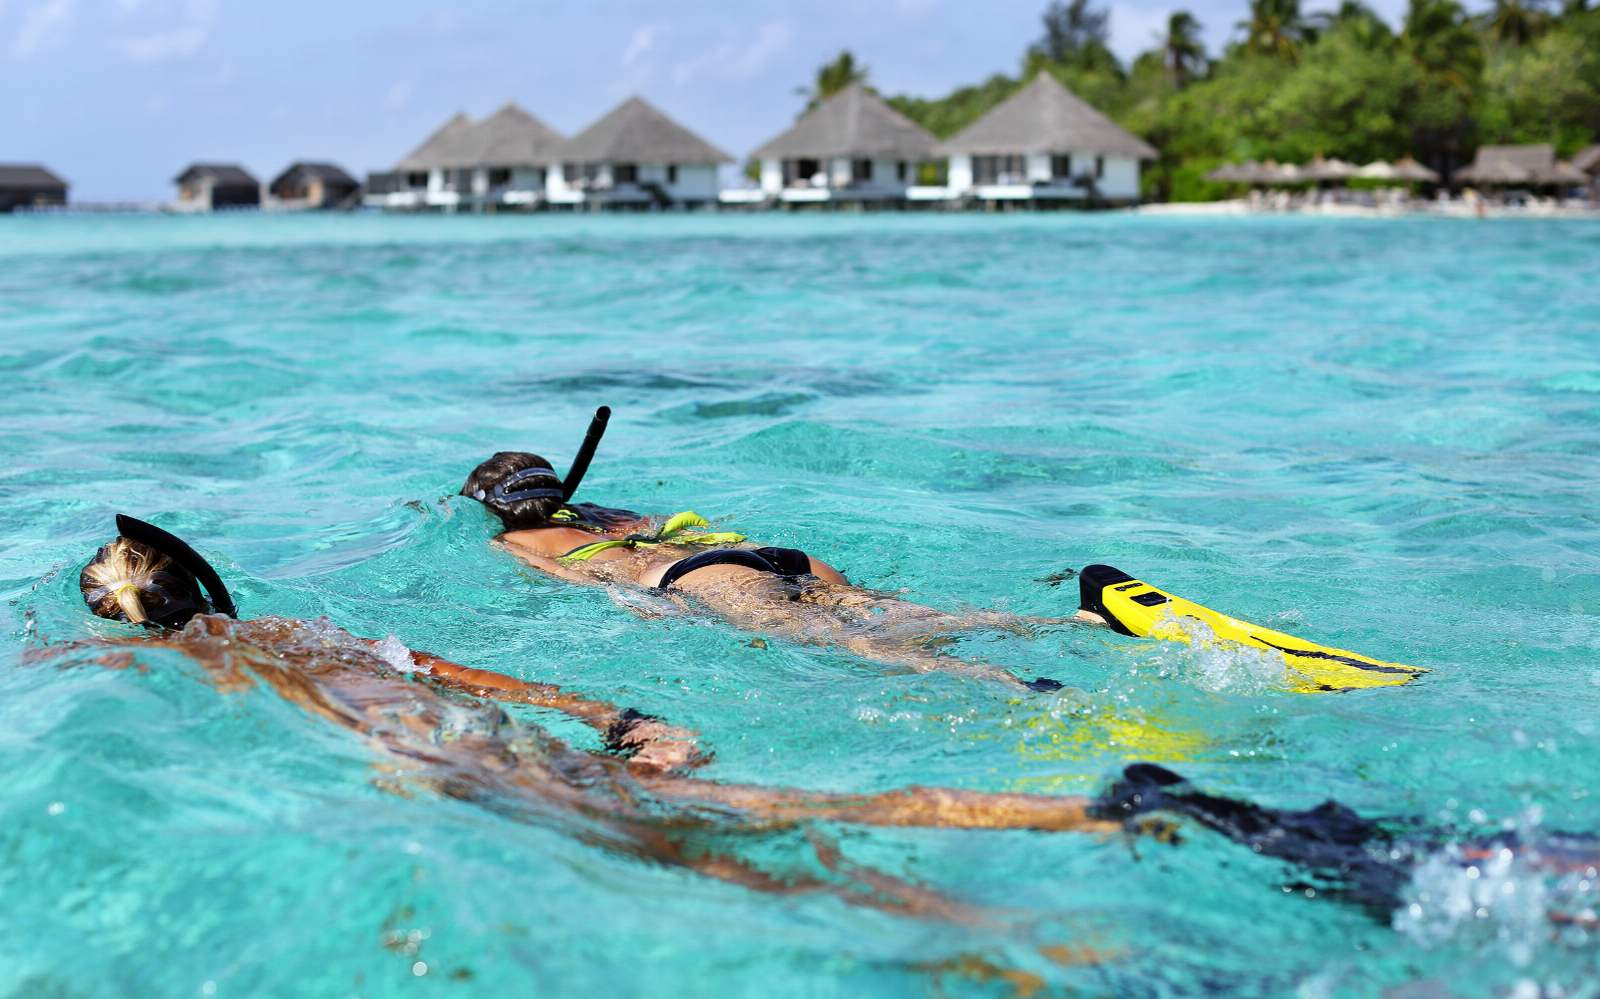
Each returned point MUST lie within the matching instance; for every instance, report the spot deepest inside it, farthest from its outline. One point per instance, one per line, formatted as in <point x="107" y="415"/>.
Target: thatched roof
<point x="636" y="132"/>
<point x="512" y="137"/>
<point x="1589" y="160"/>
<point x="29" y="177"/>
<point x="855" y="123"/>
<point x="1045" y="117"/>
<point x="221" y="174"/>
<point x="1564" y="174"/>
<point x="328" y="173"/>
<point x="446" y="147"/>
<point x="1524" y="164"/>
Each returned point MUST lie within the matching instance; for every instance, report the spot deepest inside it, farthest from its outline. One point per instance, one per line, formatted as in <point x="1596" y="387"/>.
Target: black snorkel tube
<point x="580" y="464"/>
<point x="179" y="551"/>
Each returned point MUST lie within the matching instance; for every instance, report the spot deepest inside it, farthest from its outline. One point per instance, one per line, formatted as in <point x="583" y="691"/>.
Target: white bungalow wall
<point x="772" y="176"/>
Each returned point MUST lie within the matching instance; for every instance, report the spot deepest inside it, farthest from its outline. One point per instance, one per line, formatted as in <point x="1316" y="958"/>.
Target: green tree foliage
<point x="1339" y="83"/>
<point x="831" y="78"/>
<point x="1547" y="91"/>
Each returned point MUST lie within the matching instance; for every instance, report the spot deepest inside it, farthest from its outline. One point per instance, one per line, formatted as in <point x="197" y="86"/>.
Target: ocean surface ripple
<point x="1381" y="435"/>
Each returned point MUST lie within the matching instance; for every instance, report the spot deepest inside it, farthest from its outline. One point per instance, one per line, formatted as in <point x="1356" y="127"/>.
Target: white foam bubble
<point x="394" y="652"/>
<point x="1216" y="665"/>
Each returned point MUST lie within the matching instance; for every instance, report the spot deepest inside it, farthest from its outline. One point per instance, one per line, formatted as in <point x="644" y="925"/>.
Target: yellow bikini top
<point x="673" y="532"/>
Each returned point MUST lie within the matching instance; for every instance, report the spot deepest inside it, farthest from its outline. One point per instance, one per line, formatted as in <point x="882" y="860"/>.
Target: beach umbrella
<point x="1410" y="169"/>
<point x="1276" y="173"/>
<point x="1332" y="170"/>
<point x="1378" y="170"/>
<point x="1227" y="173"/>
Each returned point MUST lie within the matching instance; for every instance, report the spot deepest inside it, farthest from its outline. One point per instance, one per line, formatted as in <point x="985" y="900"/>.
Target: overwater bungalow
<point x="423" y="177"/>
<point x="1045" y="143"/>
<point x="499" y="162"/>
<point x="313" y="186"/>
<point x="29" y="185"/>
<point x="852" y="146"/>
<point x="512" y="151"/>
<point x="635" y="156"/>
<point x="206" y="187"/>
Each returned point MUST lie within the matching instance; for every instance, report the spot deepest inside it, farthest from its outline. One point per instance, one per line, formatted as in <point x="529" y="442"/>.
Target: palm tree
<point x="1355" y="17"/>
<point x="1516" y="22"/>
<point x="1274" y="28"/>
<point x="831" y="78"/>
<point x="1182" y="52"/>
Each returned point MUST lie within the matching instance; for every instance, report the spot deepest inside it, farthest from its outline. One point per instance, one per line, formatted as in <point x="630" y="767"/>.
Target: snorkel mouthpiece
<point x="179" y="551"/>
<point x="580" y="464"/>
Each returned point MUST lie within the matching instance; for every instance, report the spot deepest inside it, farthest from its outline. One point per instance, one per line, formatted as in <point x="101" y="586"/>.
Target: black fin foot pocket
<point x="1044" y="685"/>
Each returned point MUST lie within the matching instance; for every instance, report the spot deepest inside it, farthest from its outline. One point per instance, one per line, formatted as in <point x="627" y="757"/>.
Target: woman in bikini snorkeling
<point x="791" y="594"/>
<point x="434" y="725"/>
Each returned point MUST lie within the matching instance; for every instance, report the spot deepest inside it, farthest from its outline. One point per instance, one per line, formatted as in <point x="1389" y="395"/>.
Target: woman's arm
<point x="653" y="745"/>
<point x="920" y="807"/>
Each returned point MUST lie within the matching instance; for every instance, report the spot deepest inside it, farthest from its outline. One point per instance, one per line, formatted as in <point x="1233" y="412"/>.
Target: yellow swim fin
<point x="1134" y="607"/>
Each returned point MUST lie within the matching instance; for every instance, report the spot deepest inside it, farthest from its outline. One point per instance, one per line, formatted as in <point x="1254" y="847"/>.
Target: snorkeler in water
<point x="436" y="727"/>
<point x="792" y="594"/>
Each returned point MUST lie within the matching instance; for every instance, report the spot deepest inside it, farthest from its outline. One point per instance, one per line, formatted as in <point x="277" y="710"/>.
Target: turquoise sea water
<point x="1381" y="435"/>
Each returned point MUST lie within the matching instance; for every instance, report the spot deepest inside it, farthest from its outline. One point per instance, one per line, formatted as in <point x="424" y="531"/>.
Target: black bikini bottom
<point x="778" y="561"/>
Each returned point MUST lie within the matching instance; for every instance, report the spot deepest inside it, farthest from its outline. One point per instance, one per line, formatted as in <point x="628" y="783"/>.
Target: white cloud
<point x="186" y="38"/>
<point x="39" y="24"/>
<point x="163" y="45"/>
<point x="639" y="46"/>
<point x="739" y="60"/>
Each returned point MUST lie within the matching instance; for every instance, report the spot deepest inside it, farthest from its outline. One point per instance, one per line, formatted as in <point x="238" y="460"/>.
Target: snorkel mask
<point x="162" y="595"/>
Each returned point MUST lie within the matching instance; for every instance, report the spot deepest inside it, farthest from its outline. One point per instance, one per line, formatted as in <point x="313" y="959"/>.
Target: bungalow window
<point x="499" y="177"/>
<point x="672" y="173"/>
<point x="580" y="174"/>
<point x="1099" y="167"/>
<point x="860" y="171"/>
<point x="798" y="172"/>
<point x="417" y="178"/>
<point x="1061" y="167"/>
<point x="900" y="171"/>
<point x="998" y="170"/>
<point x="625" y="173"/>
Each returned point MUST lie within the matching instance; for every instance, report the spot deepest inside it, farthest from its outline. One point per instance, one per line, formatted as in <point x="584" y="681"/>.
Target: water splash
<point x="394" y="652"/>
<point x="1216" y="665"/>
<point x="1526" y="892"/>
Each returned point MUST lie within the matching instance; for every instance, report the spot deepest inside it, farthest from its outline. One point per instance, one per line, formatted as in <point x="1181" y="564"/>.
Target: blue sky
<point x="118" y="95"/>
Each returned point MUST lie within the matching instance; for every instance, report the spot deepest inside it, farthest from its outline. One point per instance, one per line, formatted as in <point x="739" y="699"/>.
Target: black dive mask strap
<point x="504" y="493"/>
<point x="591" y="440"/>
<point x="179" y="551"/>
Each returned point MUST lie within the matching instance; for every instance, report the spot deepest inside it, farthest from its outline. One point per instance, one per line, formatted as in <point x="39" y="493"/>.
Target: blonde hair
<point x="131" y="581"/>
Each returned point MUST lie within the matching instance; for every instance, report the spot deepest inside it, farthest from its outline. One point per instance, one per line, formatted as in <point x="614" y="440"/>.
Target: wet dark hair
<point x="515" y="514"/>
<point x="131" y="581"/>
